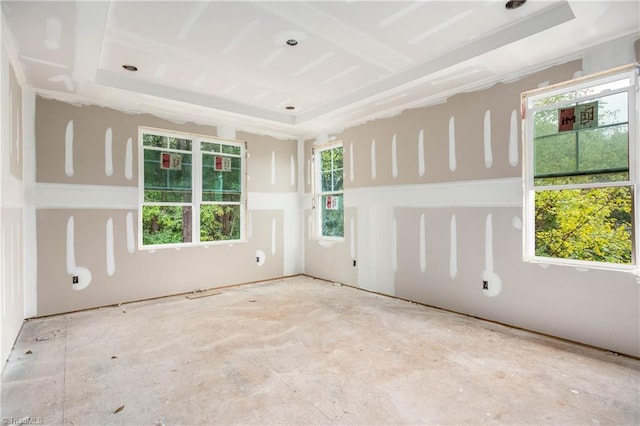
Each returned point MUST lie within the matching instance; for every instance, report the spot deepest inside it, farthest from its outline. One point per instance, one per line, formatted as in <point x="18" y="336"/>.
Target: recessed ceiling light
<point x="290" y="107"/>
<point x="292" y="42"/>
<point x="514" y="4"/>
<point x="130" y="67"/>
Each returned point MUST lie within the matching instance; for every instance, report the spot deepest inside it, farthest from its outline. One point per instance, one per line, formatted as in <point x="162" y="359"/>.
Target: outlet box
<point x="74" y="279"/>
<point x="354" y="262"/>
<point x="485" y="285"/>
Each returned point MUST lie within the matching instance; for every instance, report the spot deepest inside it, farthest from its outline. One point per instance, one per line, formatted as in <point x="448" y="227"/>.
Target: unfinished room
<point x="320" y="212"/>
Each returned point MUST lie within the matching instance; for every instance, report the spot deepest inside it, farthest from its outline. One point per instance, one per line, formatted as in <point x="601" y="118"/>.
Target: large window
<point x="328" y="192"/>
<point x="192" y="189"/>
<point x="580" y="171"/>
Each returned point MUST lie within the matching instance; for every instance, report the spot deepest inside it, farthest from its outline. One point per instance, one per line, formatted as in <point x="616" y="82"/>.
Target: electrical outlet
<point x="485" y="285"/>
<point x="74" y="279"/>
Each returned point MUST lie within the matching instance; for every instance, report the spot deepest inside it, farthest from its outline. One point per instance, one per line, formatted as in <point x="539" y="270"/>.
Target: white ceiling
<point x="228" y="62"/>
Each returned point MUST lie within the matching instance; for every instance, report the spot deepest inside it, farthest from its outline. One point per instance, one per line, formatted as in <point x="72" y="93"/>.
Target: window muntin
<point x="580" y="182"/>
<point x="600" y="152"/>
<point x="222" y="175"/>
<point x="329" y="197"/>
<point x="193" y="189"/>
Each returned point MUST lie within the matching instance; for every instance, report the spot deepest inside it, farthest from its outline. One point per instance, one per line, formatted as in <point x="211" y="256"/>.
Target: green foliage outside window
<point x="219" y="222"/>
<point x="330" y="199"/>
<point x="585" y="223"/>
<point x="170" y="219"/>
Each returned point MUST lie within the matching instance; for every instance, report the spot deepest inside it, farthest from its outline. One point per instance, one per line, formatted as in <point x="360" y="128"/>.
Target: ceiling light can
<point x="130" y="67"/>
<point x="292" y="42"/>
<point x="514" y="4"/>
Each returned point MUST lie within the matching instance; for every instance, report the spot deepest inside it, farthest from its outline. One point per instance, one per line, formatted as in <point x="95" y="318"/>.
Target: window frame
<point x="317" y="192"/>
<point x="196" y="185"/>
<point x="528" y="100"/>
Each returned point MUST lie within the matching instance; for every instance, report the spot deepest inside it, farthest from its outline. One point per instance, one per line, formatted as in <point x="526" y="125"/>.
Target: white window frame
<point x="317" y="189"/>
<point x="528" y="110"/>
<point x="196" y="186"/>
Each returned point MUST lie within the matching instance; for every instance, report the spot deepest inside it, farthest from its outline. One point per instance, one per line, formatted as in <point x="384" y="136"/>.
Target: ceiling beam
<point x="109" y="78"/>
<point x="518" y="30"/>
<point x="341" y="34"/>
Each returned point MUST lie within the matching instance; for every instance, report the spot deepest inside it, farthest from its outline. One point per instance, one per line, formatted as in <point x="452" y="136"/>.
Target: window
<point x="580" y="172"/>
<point x="193" y="189"/>
<point x="328" y="192"/>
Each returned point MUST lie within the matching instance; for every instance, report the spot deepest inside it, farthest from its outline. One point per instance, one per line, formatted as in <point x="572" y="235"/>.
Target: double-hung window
<point x="192" y="189"/>
<point x="580" y="171"/>
<point x="328" y="191"/>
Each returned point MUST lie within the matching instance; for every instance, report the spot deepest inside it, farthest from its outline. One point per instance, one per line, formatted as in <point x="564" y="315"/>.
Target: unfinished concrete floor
<point x="303" y="351"/>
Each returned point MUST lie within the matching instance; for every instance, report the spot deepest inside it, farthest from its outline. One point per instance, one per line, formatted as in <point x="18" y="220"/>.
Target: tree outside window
<point x="329" y="198"/>
<point x="579" y="183"/>
<point x="193" y="189"/>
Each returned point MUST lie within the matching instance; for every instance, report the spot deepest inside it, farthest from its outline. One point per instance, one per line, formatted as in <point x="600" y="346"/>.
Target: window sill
<point x="583" y="265"/>
<point x="207" y="244"/>
<point x="328" y="242"/>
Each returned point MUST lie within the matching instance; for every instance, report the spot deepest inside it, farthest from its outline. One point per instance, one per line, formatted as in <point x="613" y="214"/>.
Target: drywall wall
<point x="434" y="198"/>
<point x="11" y="210"/>
<point x="85" y="196"/>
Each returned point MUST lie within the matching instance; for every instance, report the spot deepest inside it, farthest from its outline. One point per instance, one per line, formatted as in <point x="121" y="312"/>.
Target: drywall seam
<point x="452" y="144"/>
<point x="52" y="195"/>
<point x="71" y="253"/>
<point x="30" y="265"/>
<point x="479" y="193"/>
<point x="196" y="11"/>
<point x="513" y="139"/>
<point x="374" y="222"/>
<point x="289" y="203"/>
<point x="488" y="154"/>
<point x="108" y="152"/>
<point x="492" y="282"/>
<point x="67" y="196"/>
<point x="394" y="157"/>
<point x="128" y="160"/>
<point x="503" y="192"/>
<point x="299" y="246"/>
<point x="352" y="237"/>
<point x="421" y="161"/>
<point x="82" y="274"/>
<point x="261" y="257"/>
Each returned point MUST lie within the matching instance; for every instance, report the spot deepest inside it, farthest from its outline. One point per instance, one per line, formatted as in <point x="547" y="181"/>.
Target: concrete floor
<point x="303" y="351"/>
